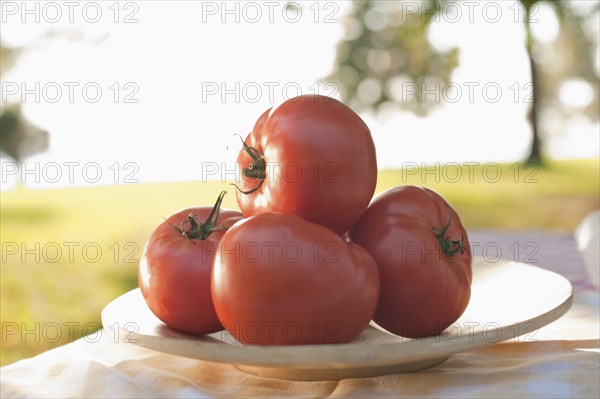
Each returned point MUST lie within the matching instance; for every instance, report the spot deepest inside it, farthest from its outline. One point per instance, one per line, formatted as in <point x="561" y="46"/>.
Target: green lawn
<point x="66" y="253"/>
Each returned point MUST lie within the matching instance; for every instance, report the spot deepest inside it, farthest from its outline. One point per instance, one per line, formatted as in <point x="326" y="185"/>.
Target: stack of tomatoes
<point x="308" y="260"/>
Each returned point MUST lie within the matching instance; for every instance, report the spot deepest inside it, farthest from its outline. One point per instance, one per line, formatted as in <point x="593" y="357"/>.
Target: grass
<point x="505" y="196"/>
<point x="66" y="253"/>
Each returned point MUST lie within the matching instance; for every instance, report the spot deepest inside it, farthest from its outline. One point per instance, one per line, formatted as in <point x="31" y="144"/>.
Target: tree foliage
<point x="387" y="45"/>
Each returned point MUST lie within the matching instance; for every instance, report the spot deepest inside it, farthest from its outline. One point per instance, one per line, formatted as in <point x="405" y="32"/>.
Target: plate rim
<point x="378" y="354"/>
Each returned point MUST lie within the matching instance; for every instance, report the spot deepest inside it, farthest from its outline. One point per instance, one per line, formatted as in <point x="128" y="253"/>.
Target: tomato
<point x="311" y="156"/>
<point x="424" y="260"/>
<point x="279" y="279"/>
<point x="175" y="268"/>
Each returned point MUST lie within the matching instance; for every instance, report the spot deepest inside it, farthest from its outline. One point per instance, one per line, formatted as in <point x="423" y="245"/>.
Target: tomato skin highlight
<point x="279" y="279"/>
<point x="174" y="273"/>
<point x="423" y="291"/>
<point x="321" y="163"/>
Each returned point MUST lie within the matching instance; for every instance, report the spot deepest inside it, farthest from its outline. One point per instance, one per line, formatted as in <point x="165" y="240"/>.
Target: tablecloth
<point x="562" y="361"/>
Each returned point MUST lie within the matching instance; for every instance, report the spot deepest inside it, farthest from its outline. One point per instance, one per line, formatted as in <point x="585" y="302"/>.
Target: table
<point x="562" y="361"/>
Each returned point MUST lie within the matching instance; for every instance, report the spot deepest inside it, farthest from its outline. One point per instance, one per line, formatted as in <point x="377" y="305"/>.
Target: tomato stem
<point x="202" y="231"/>
<point x="449" y="247"/>
<point x="255" y="170"/>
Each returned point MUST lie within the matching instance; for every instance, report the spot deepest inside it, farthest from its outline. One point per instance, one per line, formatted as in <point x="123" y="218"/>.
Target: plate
<point x="509" y="301"/>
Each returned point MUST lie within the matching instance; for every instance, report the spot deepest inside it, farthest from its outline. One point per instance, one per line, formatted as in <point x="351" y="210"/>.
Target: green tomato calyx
<point x="201" y="231"/>
<point x="255" y="170"/>
<point x="449" y="247"/>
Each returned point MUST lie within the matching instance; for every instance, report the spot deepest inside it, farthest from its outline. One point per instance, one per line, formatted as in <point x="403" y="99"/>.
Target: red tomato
<point x="174" y="272"/>
<point x="311" y="156"/>
<point x="279" y="279"/>
<point x="424" y="260"/>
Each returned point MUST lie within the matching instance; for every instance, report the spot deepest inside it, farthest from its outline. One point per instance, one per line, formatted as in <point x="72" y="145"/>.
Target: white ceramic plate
<point x="509" y="301"/>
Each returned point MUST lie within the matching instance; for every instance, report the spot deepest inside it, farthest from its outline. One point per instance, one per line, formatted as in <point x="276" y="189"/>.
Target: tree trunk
<point x="535" y="150"/>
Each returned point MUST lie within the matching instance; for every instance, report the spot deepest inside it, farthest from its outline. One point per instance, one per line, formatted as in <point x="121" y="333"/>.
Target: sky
<point x="147" y="91"/>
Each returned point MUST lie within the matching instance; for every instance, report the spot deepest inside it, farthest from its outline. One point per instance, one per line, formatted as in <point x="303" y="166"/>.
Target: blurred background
<point x="116" y="114"/>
